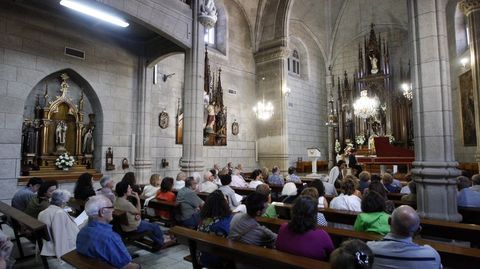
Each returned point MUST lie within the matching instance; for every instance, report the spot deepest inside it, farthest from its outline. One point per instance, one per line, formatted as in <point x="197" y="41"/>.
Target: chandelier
<point x="365" y="107"/>
<point x="407" y="91"/>
<point x="264" y="111"/>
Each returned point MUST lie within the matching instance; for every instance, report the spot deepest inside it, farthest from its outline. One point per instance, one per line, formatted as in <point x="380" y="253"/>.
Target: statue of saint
<point x="208" y="8"/>
<point x="373" y="62"/>
<point x="210" y="119"/>
<point x="61" y="133"/>
<point x="88" y="145"/>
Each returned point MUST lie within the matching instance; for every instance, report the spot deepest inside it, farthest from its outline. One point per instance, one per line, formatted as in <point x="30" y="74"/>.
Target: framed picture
<point x="163" y="119"/>
<point x="469" y="133"/>
<point x="235" y="128"/>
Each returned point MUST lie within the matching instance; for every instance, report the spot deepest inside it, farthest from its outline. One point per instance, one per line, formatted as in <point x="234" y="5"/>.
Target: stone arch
<point x="272" y="30"/>
<point x="77" y="84"/>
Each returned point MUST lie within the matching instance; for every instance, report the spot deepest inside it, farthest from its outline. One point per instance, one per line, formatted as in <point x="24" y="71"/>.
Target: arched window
<point x="293" y="63"/>
<point x="209" y="36"/>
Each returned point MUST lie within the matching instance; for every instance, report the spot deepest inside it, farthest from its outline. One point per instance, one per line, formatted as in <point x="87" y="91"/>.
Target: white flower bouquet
<point x="360" y="139"/>
<point x="64" y="161"/>
<point x="337" y="146"/>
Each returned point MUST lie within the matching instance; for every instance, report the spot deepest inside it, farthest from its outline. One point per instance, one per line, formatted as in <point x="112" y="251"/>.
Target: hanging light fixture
<point x="263" y="110"/>
<point x="407" y="91"/>
<point x="365" y="107"/>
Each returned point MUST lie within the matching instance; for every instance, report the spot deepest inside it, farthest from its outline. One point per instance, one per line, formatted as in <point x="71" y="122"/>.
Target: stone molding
<point x="272" y="54"/>
<point x="469" y="6"/>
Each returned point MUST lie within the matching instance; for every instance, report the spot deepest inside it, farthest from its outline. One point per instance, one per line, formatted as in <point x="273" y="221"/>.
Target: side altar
<point x="57" y="127"/>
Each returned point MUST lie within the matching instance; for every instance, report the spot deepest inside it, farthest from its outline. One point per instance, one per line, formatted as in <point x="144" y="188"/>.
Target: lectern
<point x="314" y="154"/>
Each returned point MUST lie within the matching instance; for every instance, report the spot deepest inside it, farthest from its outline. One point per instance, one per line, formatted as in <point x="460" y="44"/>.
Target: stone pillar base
<point x="143" y="171"/>
<point x="437" y="190"/>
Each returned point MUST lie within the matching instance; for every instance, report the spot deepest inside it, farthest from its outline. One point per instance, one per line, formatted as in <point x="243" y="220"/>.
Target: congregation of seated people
<point x="227" y="214"/>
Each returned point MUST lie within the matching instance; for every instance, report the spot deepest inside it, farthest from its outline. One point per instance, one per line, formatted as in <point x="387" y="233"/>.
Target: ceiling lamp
<point x="365" y="107"/>
<point x="93" y="12"/>
<point x="407" y="91"/>
<point x="264" y="111"/>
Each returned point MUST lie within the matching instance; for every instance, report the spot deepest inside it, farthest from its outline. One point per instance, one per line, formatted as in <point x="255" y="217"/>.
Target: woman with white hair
<point x="208" y="185"/>
<point x="237" y="179"/>
<point x="61" y="227"/>
<point x="289" y="193"/>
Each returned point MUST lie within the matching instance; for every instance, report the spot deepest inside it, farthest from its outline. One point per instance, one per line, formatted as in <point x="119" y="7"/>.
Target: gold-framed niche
<point x="58" y="127"/>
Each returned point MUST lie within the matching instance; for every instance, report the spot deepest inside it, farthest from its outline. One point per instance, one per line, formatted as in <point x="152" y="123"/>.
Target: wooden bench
<point x="306" y="166"/>
<point x="78" y="260"/>
<point x="434" y="228"/>
<point x="253" y="255"/>
<point x="169" y="206"/>
<point x="470" y="214"/>
<point x="451" y="255"/>
<point x="24" y="225"/>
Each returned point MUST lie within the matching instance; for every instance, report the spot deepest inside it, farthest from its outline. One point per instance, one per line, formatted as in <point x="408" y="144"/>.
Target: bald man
<point x="396" y="249"/>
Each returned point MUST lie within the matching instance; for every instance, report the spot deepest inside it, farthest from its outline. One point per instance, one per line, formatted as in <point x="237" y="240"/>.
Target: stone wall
<point x="307" y="101"/>
<point x="31" y="48"/>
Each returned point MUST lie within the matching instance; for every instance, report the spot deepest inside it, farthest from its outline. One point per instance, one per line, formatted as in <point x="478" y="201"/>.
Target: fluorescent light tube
<point x="80" y="7"/>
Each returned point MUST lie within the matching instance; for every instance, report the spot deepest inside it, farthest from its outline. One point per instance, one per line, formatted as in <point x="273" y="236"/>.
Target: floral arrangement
<point x="360" y="139"/>
<point x="64" y="161"/>
<point x="391" y="138"/>
<point x="337" y="146"/>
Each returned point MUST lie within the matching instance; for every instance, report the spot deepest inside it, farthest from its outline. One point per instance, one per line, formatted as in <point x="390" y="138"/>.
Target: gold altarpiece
<point x="58" y="127"/>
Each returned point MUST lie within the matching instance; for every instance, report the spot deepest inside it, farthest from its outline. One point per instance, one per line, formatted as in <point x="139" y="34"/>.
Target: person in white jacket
<point x="347" y="200"/>
<point x="61" y="227"/>
<point x="208" y="184"/>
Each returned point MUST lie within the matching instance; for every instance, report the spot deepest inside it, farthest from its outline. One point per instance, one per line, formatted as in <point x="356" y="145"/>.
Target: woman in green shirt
<point x="373" y="217"/>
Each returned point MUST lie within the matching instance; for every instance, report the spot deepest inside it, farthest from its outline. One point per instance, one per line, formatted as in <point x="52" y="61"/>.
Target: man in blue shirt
<point x="21" y="199"/>
<point x="397" y="250"/>
<point x="470" y="197"/>
<point x="275" y="178"/>
<point x="98" y="240"/>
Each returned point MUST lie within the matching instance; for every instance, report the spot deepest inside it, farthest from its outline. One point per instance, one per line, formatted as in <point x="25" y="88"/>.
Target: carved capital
<point x="272" y="54"/>
<point x="469" y="6"/>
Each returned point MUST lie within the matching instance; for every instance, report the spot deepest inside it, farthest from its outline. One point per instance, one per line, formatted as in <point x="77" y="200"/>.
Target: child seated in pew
<point x="215" y="217"/>
<point x="352" y="254"/>
<point x="165" y="194"/>
<point x="233" y="199"/>
<point x="300" y="236"/>
<point x="373" y="217"/>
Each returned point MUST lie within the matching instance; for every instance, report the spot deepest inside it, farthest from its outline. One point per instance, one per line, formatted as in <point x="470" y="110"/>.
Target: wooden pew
<point x="169" y="206"/>
<point x="434" y="228"/>
<point x="470" y="214"/>
<point x="451" y="255"/>
<point x="258" y="256"/>
<point x="78" y="260"/>
<point x="33" y="227"/>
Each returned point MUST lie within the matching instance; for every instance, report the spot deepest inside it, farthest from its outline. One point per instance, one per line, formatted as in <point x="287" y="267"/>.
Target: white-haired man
<point x="396" y="249"/>
<point x="208" y="185"/>
<point x="98" y="240"/>
<point x="107" y="184"/>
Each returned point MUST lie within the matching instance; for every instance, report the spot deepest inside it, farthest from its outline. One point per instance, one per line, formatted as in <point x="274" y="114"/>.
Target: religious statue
<point x="88" y="145"/>
<point x="60" y="133"/>
<point x="220" y="123"/>
<point x="373" y="62"/>
<point x="210" y="119"/>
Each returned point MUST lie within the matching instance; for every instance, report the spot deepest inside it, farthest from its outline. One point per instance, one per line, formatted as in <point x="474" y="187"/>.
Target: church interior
<point x="184" y="85"/>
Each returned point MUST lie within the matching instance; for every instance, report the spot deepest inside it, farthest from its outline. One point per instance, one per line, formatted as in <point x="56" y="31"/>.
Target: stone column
<point x="143" y="158"/>
<point x="272" y="135"/>
<point x="471" y="8"/>
<point x="192" y="154"/>
<point x="434" y="166"/>
<point x="332" y="122"/>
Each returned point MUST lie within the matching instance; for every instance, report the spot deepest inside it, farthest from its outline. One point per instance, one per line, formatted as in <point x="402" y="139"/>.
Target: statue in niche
<point x="220" y="122"/>
<point x="373" y="62"/>
<point x="28" y="132"/>
<point x="60" y="133"/>
<point x="88" y="145"/>
<point x="210" y="119"/>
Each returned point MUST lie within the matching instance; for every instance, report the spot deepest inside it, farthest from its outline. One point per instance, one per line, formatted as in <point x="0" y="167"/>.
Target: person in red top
<point x="165" y="194"/>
